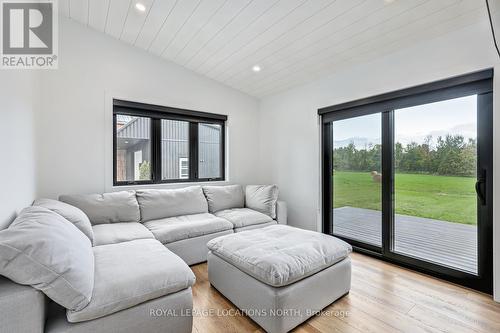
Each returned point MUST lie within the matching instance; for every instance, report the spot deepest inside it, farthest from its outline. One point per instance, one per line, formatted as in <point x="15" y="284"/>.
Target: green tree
<point x="451" y="155"/>
<point x="448" y="153"/>
<point x="145" y="171"/>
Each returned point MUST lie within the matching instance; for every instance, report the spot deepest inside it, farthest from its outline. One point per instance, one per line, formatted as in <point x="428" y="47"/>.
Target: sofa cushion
<point x="224" y="197"/>
<point x="280" y="255"/>
<point x="70" y="213"/>
<point x="130" y="273"/>
<point x="262" y="198"/>
<point x="159" y="204"/>
<point x="120" y="232"/>
<point x="188" y="226"/>
<point x="44" y="250"/>
<point x="242" y="217"/>
<point x="255" y="226"/>
<point x="106" y="208"/>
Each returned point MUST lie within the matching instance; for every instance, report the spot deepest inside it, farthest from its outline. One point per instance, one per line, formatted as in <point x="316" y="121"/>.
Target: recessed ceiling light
<point x="256" y="68"/>
<point x="140" y="7"/>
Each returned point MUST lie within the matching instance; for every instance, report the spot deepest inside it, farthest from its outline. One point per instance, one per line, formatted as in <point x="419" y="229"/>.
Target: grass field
<point x="437" y="197"/>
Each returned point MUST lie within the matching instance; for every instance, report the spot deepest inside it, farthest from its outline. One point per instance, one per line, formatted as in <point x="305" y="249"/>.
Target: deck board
<point x="452" y="244"/>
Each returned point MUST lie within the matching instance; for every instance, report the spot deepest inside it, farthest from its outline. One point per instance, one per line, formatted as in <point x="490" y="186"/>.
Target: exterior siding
<point x="174" y="147"/>
<point x="209" y="137"/>
<point x="138" y="128"/>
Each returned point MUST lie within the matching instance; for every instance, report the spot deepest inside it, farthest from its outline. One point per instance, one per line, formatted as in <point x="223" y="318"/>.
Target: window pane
<point x="174" y="149"/>
<point x="209" y="150"/>
<point x="133" y="148"/>
<point x="357" y="178"/>
<point x="435" y="172"/>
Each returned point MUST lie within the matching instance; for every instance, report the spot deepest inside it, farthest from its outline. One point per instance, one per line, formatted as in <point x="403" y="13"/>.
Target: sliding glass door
<point x="408" y="176"/>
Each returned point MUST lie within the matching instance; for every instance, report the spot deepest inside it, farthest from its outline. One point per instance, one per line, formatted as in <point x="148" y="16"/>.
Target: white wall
<point x="290" y="145"/>
<point x="73" y="127"/>
<point x="17" y="161"/>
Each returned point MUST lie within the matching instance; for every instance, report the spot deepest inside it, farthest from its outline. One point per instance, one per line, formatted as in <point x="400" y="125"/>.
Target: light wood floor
<point x="384" y="298"/>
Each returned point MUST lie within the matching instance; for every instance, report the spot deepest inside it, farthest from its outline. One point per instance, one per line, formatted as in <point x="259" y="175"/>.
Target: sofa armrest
<point x="281" y="212"/>
<point x="22" y="308"/>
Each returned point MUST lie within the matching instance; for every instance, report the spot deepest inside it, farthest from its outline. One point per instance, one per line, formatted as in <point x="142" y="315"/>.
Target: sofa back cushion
<point x="70" y="213"/>
<point x="224" y="197"/>
<point x="262" y="198"/>
<point x="158" y="204"/>
<point x="106" y="208"/>
<point x="44" y="250"/>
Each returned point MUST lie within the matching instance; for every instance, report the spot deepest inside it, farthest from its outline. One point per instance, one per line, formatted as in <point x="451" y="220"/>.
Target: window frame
<point x="157" y="113"/>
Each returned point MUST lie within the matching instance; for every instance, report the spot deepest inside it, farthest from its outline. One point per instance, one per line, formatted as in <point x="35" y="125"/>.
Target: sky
<point x="454" y="116"/>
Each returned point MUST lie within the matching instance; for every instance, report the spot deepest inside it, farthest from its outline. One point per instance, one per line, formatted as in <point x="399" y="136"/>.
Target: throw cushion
<point x="262" y="198"/>
<point x="158" y="204"/>
<point x="44" y="250"/>
<point x="224" y="197"/>
<point x="70" y="213"/>
<point x="106" y="208"/>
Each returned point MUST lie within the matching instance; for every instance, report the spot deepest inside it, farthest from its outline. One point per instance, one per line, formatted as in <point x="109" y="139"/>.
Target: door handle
<point x="479" y="191"/>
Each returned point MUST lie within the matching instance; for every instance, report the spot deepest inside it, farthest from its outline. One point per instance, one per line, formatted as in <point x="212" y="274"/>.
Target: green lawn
<point x="437" y="197"/>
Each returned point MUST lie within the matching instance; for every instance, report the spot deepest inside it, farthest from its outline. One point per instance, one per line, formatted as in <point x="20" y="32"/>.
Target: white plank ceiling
<point x="293" y="41"/>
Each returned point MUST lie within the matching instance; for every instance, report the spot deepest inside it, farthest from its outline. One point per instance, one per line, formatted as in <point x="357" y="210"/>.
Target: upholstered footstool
<point x="280" y="275"/>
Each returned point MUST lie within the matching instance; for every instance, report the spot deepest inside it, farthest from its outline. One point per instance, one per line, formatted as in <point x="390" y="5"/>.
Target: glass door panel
<point x="357" y="178"/>
<point x="435" y="172"/>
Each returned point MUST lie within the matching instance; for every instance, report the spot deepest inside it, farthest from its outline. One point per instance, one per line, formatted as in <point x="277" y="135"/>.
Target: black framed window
<point x="156" y="144"/>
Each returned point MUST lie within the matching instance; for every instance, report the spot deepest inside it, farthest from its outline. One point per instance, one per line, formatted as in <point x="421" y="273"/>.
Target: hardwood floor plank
<point x="383" y="298"/>
<point x="306" y="328"/>
<point x="439" y="321"/>
<point x="332" y="324"/>
<point x="457" y="306"/>
<point x="479" y="317"/>
<point x="360" y="319"/>
<point x="401" y="322"/>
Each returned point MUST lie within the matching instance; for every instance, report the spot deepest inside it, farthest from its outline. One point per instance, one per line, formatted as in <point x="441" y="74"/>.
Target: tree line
<point x="451" y="155"/>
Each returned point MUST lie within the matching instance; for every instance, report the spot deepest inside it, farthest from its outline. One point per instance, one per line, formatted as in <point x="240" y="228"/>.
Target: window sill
<point x="115" y="188"/>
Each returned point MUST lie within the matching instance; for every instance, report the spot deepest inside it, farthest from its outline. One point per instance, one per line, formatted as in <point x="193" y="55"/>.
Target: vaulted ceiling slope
<point x="293" y="41"/>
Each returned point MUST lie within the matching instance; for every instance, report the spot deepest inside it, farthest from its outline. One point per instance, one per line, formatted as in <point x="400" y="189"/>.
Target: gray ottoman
<point x="280" y="275"/>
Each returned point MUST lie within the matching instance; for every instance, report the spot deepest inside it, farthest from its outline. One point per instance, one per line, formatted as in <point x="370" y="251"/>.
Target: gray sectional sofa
<point x="141" y="243"/>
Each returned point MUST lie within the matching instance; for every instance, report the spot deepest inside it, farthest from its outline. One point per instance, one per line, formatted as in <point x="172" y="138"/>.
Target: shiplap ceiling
<point x="293" y="41"/>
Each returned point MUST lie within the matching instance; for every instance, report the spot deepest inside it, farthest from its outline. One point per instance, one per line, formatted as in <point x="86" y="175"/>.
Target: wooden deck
<point x="451" y="244"/>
